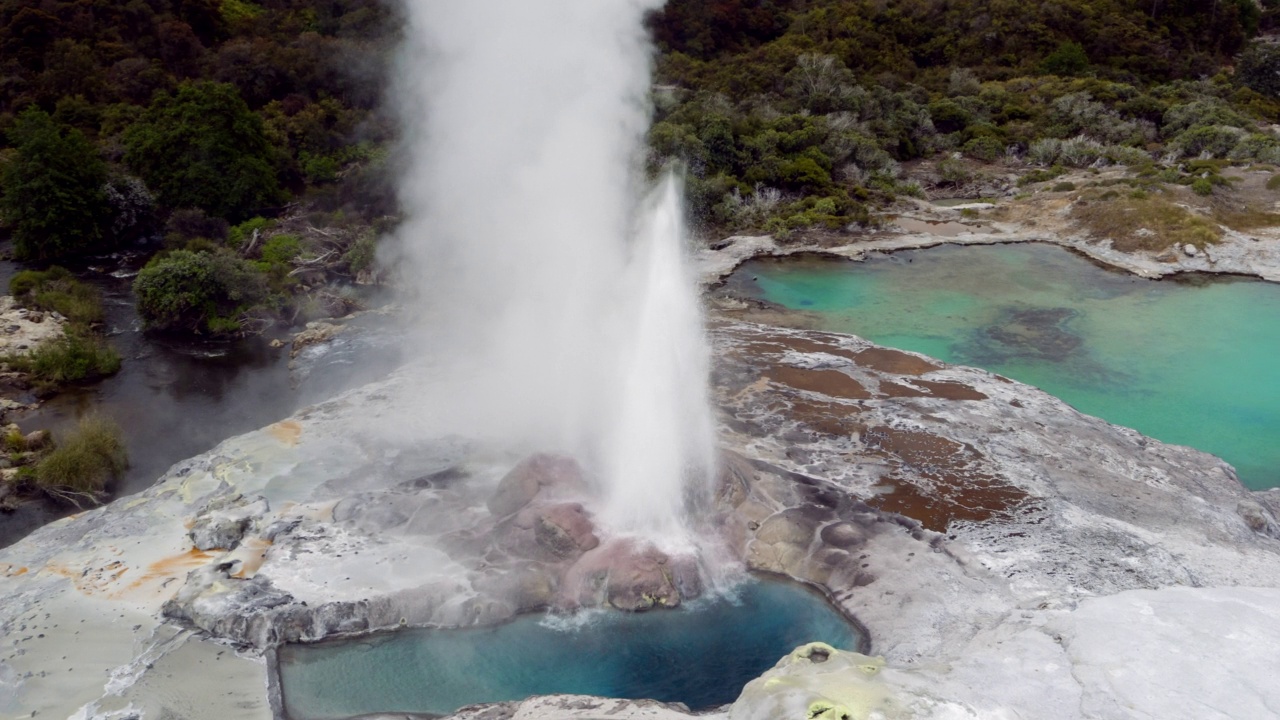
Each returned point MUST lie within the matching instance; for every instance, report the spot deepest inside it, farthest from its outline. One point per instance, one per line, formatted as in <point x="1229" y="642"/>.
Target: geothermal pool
<point x="700" y="655"/>
<point x="1191" y="361"/>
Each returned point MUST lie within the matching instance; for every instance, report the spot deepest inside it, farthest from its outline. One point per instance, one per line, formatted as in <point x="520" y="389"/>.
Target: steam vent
<point x="639" y="359"/>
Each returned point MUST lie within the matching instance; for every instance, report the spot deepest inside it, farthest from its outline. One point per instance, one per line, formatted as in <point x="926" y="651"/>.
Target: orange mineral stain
<point x="160" y="572"/>
<point x="287" y="432"/>
<point x="254" y="553"/>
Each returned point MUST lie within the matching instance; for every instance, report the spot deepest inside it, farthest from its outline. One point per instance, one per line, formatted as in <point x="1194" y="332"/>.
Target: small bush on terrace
<point x="82" y="464"/>
<point x="57" y="290"/>
<point x="74" y="357"/>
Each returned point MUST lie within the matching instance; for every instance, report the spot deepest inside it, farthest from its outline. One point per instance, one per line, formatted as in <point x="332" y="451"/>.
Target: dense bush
<point x="54" y="197"/>
<point x="1068" y="58"/>
<point x="715" y="41"/>
<point x="1259" y="68"/>
<point x="203" y="148"/>
<point x="203" y="292"/>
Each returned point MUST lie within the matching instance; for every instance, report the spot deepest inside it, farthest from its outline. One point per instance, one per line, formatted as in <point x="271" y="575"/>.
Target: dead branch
<point x="253" y="242"/>
<point x="73" y="496"/>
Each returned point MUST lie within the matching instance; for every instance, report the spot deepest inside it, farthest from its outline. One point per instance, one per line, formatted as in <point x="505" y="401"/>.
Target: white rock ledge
<point x="1104" y="574"/>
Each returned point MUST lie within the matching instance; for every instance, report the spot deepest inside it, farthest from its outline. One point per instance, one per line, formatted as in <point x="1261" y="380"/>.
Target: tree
<point x="202" y="147"/>
<point x="1259" y="69"/>
<point x="1068" y="59"/>
<point x="198" y="291"/>
<point x="54" y="196"/>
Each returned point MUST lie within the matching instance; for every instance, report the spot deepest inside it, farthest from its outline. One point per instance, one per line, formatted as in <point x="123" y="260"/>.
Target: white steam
<point x="557" y="305"/>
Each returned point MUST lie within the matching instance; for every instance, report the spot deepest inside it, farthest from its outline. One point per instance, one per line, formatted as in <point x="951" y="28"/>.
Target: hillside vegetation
<point x="799" y="114"/>
<point x="124" y="121"/>
<point x="249" y="134"/>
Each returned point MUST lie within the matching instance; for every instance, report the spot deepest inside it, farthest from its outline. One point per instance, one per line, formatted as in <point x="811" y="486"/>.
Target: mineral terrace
<point x="1008" y="556"/>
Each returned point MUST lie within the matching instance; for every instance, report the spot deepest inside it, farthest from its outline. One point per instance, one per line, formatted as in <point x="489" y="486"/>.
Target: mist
<point x="551" y="293"/>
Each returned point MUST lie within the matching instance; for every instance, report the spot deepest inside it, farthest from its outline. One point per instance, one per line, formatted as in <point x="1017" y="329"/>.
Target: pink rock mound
<point x="541" y="474"/>
<point x="549" y="532"/>
<point x="630" y="575"/>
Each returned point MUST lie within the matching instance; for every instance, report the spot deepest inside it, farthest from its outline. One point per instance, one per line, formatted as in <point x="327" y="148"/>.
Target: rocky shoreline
<point x="966" y="520"/>
<point x="1249" y="255"/>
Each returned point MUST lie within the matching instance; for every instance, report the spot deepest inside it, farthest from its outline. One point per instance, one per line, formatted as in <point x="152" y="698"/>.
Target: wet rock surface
<point x="961" y="517"/>
<point x="23" y="330"/>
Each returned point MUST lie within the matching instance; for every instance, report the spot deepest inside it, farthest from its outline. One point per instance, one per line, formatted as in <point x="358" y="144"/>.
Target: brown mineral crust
<point x="895" y="362"/>
<point x="831" y="383"/>
<point x="929" y="388"/>
<point x="826" y="418"/>
<point x="939" y="480"/>
<point x="891" y="389"/>
<point x="950" y="390"/>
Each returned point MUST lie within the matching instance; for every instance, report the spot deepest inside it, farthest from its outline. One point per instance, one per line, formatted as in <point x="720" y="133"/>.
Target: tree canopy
<point x="54" y="190"/>
<point x="202" y="147"/>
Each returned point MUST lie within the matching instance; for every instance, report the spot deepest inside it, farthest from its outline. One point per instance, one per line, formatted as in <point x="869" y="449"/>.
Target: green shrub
<point x="1273" y="182"/>
<point x="361" y="254"/>
<point x="949" y="116"/>
<point x="1202" y="112"/>
<point x="984" y="148"/>
<point x="75" y="357"/>
<point x="281" y="249"/>
<point x="1068" y="58"/>
<point x="1259" y="69"/>
<point x="81" y="465"/>
<point x="1202" y="186"/>
<point x="1064" y="186"/>
<point x="243" y="233"/>
<point x="57" y="290"/>
<point x="953" y="172"/>
<point x="203" y="148"/>
<point x="1207" y="140"/>
<point x="53" y="194"/>
<point x="198" y="292"/>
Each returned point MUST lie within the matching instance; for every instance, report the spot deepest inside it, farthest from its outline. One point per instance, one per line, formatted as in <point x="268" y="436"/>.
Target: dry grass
<point x="1144" y="223"/>
<point x="79" y="468"/>
<point x="1247" y="219"/>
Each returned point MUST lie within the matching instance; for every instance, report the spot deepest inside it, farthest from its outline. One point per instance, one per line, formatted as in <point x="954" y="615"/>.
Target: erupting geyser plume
<point x="557" y="299"/>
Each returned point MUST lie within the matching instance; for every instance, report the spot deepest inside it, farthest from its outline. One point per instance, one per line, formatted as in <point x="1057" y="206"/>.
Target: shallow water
<point x="1191" y="361"/>
<point x="178" y="397"/>
<point x="700" y="655"/>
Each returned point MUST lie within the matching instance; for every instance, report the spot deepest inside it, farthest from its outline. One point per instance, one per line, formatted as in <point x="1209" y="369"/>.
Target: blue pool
<point x="700" y="655"/>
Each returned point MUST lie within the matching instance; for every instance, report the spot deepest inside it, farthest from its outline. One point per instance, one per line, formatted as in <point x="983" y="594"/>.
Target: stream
<point x="176" y="397"/>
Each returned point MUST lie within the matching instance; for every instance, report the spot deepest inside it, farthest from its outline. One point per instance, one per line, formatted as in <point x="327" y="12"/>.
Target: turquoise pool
<point x="700" y="655"/>
<point x="1193" y="361"/>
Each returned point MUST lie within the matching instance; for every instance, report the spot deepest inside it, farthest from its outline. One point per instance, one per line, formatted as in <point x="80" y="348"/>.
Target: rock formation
<point x="997" y="545"/>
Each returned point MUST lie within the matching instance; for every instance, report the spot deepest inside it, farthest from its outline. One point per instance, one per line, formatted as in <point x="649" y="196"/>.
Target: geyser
<point x="554" y="295"/>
